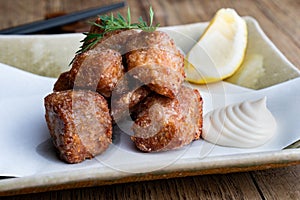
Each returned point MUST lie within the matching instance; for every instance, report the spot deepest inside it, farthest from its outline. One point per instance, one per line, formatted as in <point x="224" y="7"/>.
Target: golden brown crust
<point x="155" y="39"/>
<point x="124" y="104"/>
<point x="166" y="124"/>
<point x="126" y="95"/>
<point x="115" y="40"/>
<point x="63" y="82"/>
<point x="200" y="112"/>
<point x="96" y="29"/>
<point x="97" y="71"/>
<point x="154" y="59"/>
<point x="79" y="124"/>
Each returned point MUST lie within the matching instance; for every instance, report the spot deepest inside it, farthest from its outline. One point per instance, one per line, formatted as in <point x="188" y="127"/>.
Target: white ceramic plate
<point x="50" y="55"/>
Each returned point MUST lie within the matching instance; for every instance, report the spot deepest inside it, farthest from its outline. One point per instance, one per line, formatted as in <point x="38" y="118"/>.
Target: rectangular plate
<point x="52" y="52"/>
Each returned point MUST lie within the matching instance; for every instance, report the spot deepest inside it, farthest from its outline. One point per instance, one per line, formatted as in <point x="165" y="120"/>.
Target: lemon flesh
<point x="220" y="50"/>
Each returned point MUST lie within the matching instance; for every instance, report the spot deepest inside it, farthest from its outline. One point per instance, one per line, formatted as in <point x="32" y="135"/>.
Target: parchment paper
<point x="26" y="147"/>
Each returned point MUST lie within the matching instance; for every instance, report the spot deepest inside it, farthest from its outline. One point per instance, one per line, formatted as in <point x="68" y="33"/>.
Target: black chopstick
<point x="61" y="20"/>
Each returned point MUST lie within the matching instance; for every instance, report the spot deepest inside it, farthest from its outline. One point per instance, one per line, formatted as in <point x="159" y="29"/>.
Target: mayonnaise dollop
<point x="247" y="124"/>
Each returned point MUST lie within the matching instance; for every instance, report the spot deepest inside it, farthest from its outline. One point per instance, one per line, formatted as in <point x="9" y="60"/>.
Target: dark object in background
<point x="61" y="20"/>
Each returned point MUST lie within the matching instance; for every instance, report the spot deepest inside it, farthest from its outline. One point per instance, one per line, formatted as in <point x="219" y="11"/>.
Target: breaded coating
<point x="79" y="123"/>
<point x="107" y="54"/>
<point x="63" y="82"/>
<point x="155" y="39"/>
<point x="124" y="100"/>
<point x="96" y="29"/>
<point x="166" y="124"/>
<point x="97" y="71"/>
<point x="126" y="95"/>
<point x="154" y="59"/>
<point x="115" y="40"/>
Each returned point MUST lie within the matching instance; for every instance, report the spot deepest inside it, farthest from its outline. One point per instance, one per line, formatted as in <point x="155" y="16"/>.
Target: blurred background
<point x="272" y="15"/>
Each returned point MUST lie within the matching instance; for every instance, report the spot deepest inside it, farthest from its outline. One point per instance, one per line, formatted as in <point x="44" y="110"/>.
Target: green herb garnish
<point x="111" y="23"/>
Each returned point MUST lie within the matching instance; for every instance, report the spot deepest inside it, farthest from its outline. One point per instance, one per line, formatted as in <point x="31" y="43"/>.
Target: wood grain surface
<point x="280" y="21"/>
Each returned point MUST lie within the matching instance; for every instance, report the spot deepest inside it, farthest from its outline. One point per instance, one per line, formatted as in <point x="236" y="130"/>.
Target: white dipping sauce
<point x="247" y="124"/>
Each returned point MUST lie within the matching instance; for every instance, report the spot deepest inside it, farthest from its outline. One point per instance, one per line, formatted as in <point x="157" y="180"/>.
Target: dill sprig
<point x="111" y="23"/>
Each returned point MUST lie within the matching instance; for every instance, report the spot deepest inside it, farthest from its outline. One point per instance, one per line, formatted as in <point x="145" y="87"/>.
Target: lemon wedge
<point x="250" y="71"/>
<point x="220" y="50"/>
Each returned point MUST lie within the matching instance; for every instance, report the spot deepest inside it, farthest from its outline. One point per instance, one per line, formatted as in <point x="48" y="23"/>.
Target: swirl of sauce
<point x="245" y="125"/>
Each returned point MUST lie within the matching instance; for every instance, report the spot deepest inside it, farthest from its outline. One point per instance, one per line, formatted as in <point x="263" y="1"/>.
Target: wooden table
<point x="279" y="20"/>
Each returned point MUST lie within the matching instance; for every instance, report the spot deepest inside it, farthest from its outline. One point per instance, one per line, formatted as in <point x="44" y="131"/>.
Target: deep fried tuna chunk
<point x="154" y="59"/>
<point x="166" y="124"/>
<point x="97" y="71"/>
<point x="79" y="124"/>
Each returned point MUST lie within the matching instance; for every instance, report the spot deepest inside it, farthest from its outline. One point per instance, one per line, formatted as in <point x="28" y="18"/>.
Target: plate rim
<point x="183" y="167"/>
<point x="86" y="178"/>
